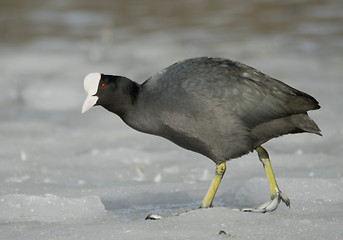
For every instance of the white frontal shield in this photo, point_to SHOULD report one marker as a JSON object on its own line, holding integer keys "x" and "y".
{"x": 91, "y": 83}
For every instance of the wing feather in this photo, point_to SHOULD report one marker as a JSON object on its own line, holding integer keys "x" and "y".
{"x": 253, "y": 96}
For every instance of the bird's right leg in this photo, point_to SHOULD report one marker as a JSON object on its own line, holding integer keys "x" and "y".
{"x": 275, "y": 193}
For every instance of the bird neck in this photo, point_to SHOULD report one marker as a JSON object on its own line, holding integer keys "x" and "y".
{"x": 125, "y": 103}
{"x": 142, "y": 116}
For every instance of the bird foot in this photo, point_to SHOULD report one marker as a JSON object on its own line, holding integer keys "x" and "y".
{"x": 270, "y": 205}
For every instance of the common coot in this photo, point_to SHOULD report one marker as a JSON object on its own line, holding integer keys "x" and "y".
{"x": 213, "y": 106}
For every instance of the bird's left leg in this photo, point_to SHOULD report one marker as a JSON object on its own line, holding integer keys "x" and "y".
{"x": 275, "y": 194}
{"x": 220, "y": 170}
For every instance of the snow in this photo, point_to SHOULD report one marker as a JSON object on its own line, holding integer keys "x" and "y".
{"x": 67, "y": 175}
{"x": 48, "y": 208}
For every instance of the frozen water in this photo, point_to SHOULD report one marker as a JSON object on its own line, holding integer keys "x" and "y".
{"x": 64, "y": 175}
{"x": 48, "y": 208}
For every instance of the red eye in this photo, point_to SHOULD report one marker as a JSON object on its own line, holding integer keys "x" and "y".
{"x": 103, "y": 85}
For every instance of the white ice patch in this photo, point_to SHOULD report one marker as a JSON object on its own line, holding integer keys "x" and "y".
{"x": 48, "y": 208}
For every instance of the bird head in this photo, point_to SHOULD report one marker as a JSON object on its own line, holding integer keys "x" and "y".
{"x": 115, "y": 93}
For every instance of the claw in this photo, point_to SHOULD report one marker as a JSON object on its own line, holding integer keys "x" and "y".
{"x": 270, "y": 205}
{"x": 285, "y": 199}
{"x": 273, "y": 205}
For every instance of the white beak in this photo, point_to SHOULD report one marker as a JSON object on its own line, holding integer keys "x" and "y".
{"x": 89, "y": 102}
{"x": 90, "y": 84}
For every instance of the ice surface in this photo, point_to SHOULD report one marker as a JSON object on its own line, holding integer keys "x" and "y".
{"x": 48, "y": 208}
{"x": 64, "y": 175}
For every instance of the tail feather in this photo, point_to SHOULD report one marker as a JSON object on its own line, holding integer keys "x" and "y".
{"x": 301, "y": 102}
{"x": 305, "y": 123}
{"x": 298, "y": 123}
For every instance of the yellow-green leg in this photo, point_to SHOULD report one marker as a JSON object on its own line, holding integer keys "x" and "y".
{"x": 275, "y": 194}
{"x": 220, "y": 170}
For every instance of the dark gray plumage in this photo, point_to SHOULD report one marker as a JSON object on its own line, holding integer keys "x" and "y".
{"x": 217, "y": 107}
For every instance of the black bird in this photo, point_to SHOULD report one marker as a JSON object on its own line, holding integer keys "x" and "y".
{"x": 216, "y": 107}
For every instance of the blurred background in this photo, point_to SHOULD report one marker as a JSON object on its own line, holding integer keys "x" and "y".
{"x": 48, "y": 46}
